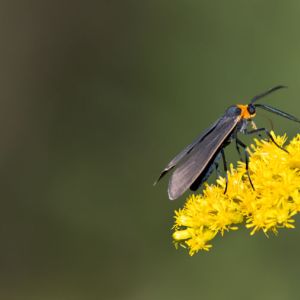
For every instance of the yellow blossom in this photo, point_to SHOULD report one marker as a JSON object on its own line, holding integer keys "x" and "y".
{"x": 272, "y": 205}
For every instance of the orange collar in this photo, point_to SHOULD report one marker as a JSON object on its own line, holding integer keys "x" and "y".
{"x": 244, "y": 111}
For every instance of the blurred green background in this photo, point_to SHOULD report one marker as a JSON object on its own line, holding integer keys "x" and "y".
{"x": 96, "y": 97}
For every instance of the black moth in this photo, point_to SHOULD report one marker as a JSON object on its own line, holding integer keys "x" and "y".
{"x": 194, "y": 164}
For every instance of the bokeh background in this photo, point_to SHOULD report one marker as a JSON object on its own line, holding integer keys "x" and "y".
{"x": 96, "y": 97}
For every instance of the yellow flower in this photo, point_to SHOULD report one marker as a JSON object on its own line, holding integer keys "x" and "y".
{"x": 276, "y": 199}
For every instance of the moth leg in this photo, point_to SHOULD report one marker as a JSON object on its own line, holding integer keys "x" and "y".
{"x": 268, "y": 134}
{"x": 217, "y": 169}
{"x": 246, "y": 160}
{"x": 255, "y": 128}
{"x": 237, "y": 145}
{"x": 225, "y": 169}
{"x": 238, "y": 149}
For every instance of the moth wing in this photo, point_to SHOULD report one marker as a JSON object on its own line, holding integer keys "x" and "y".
{"x": 186, "y": 151}
{"x": 195, "y": 161}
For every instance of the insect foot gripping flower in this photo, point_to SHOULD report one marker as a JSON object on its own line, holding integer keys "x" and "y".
{"x": 276, "y": 199}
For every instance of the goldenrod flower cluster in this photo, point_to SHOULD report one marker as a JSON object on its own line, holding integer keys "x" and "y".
{"x": 276, "y": 199}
